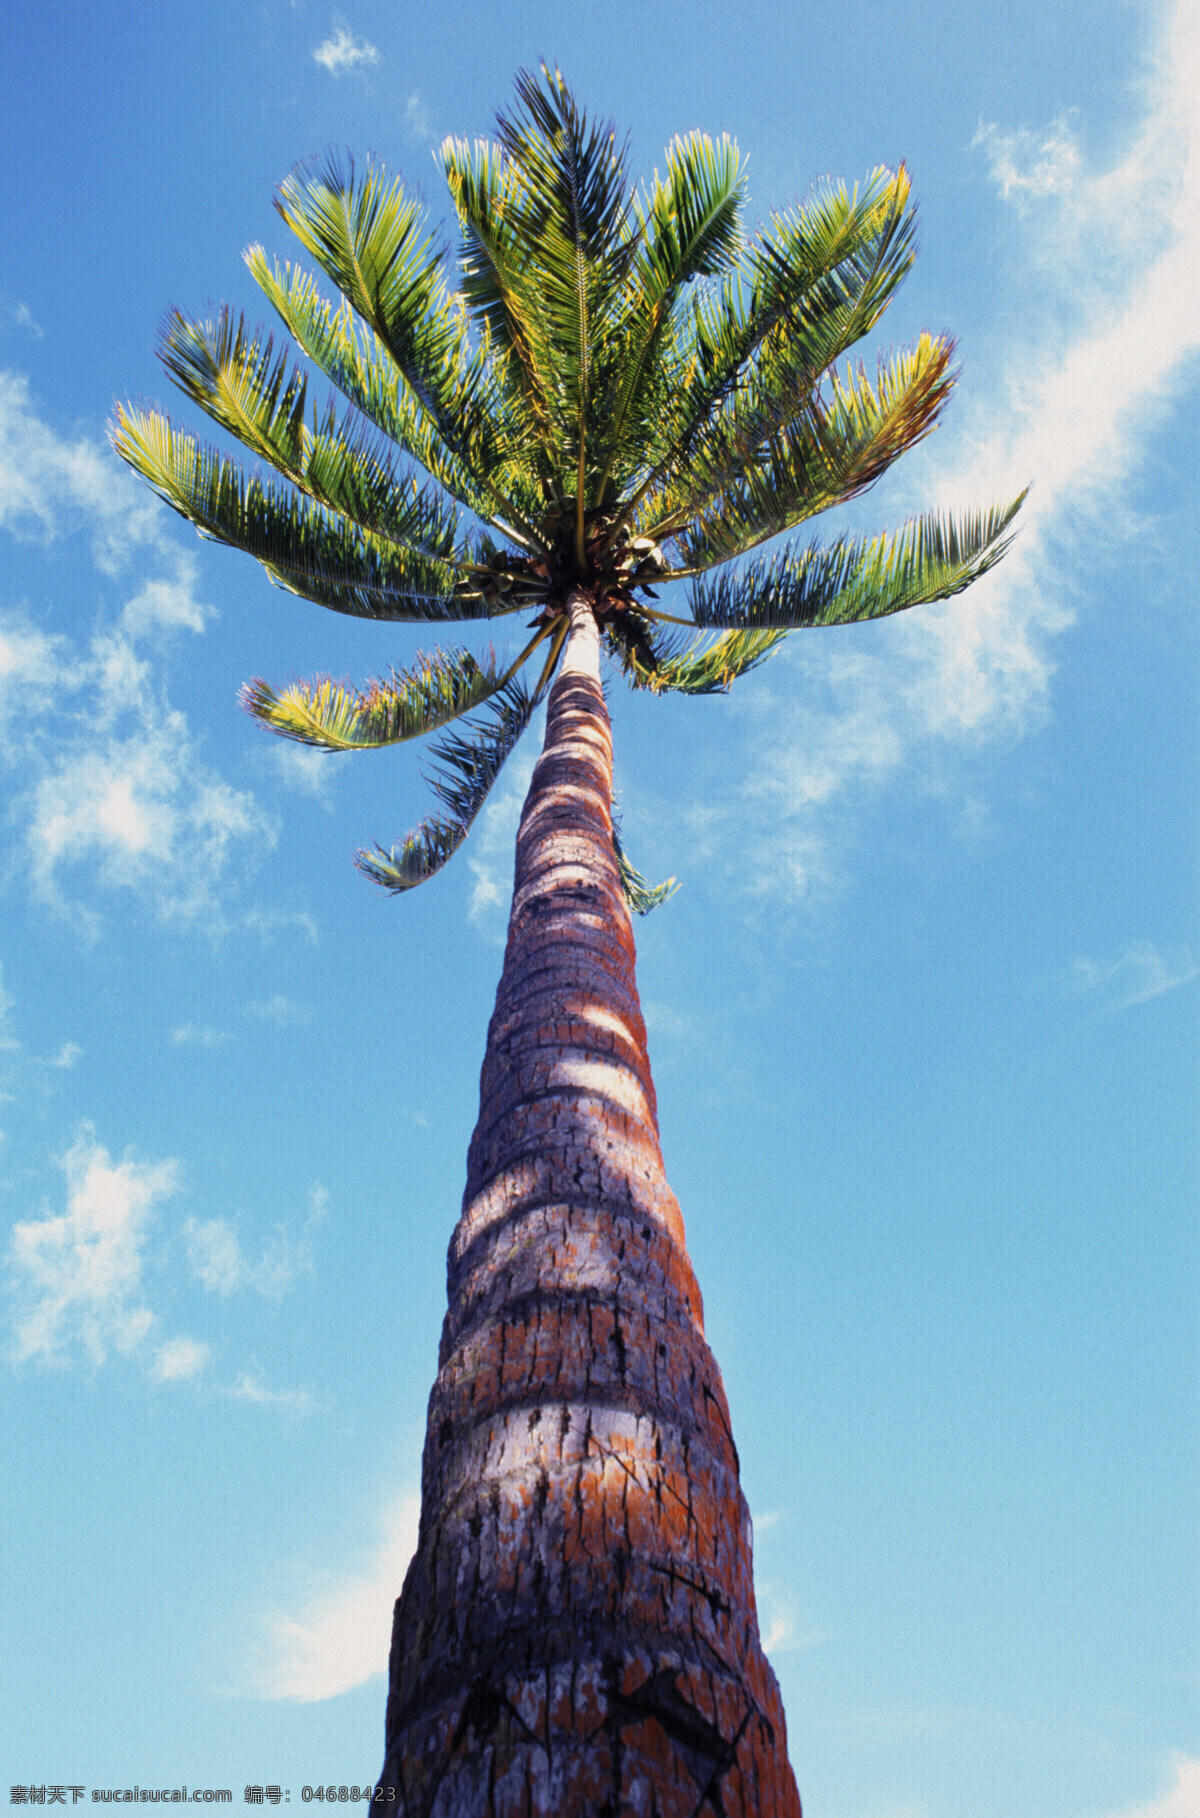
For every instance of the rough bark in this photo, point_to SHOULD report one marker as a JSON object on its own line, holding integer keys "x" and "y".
{"x": 577, "y": 1634}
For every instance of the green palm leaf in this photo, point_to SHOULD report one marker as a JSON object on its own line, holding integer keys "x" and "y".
{"x": 784, "y": 459}
{"x": 233, "y": 374}
{"x": 499, "y": 287}
{"x": 857, "y": 578}
{"x": 371, "y": 239}
{"x": 305, "y": 551}
{"x": 688, "y": 227}
{"x": 807, "y": 294}
{"x": 704, "y": 663}
{"x": 356, "y": 361}
{"x": 640, "y": 894}
{"x": 468, "y": 766}
{"x": 336, "y": 718}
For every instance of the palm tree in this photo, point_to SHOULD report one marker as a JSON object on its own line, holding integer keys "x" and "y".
{"x": 626, "y": 391}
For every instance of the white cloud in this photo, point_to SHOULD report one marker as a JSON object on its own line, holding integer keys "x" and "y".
{"x": 33, "y": 666}
{"x": 23, "y": 317}
{"x": 1025, "y": 164}
{"x": 779, "y": 1622}
{"x": 770, "y": 1518}
{"x": 163, "y": 605}
{"x": 138, "y": 813}
{"x": 416, "y": 122}
{"x": 280, "y": 1010}
{"x": 110, "y": 786}
{"x": 1119, "y": 249}
{"x": 1181, "y": 1800}
{"x": 665, "y": 1021}
{"x": 180, "y": 1359}
{"x": 77, "y": 1276}
{"x": 1141, "y": 973}
{"x": 267, "y": 922}
{"x": 66, "y": 1057}
{"x": 302, "y": 767}
{"x": 342, "y": 51}
{"x": 8, "y": 1040}
{"x": 250, "y": 1388}
{"x": 342, "y": 1638}
{"x": 218, "y": 1261}
{"x": 50, "y": 486}
{"x": 215, "y": 1255}
{"x": 189, "y": 1034}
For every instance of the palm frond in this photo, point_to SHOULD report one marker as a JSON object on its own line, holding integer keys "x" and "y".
{"x": 232, "y": 373}
{"x": 567, "y": 211}
{"x": 333, "y": 717}
{"x": 468, "y": 766}
{"x": 570, "y": 167}
{"x": 778, "y": 459}
{"x": 372, "y": 240}
{"x": 688, "y": 227}
{"x": 640, "y": 894}
{"x": 498, "y": 287}
{"x": 857, "y": 578}
{"x": 704, "y": 663}
{"x": 356, "y": 361}
{"x": 807, "y": 291}
{"x": 303, "y": 549}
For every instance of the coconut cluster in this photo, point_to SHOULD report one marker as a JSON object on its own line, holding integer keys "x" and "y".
{"x": 615, "y": 562}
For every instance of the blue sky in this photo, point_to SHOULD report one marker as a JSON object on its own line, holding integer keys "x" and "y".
{"x": 922, "y": 1015}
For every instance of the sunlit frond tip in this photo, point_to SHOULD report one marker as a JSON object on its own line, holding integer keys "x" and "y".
{"x": 334, "y": 717}
{"x": 468, "y": 764}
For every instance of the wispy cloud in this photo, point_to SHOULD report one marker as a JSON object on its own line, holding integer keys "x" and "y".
{"x": 1026, "y": 166}
{"x": 268, "y": 922}
{"x": 218, "y": 1261}
{"x": 282, "y": 1011}
{"x": 180, "y": 1359}
{"x": 8, "y": 1040}
{"x": 79, "y": 1279}
{"x": 198, "y": 1036}
{"x": 77, "y": 1275}
{"x": 1141, "y": 972}
{"x": 663, "y": 1020}
{"x": 251, "y": 1388}
{"x": 302, "y": 768}
{"x": 342, "y": 51}
{"x": 341, "y": 1638}
{"x": 50, "y": 485}
{"x": 779, "y": 1621}
{"x": 108, "y": 785}
{"x": 1118, "y": 252}
{"x": 137, "y": 812}
{"x": 417, "y": 129}
{"x": 23, "y": 317}
{"x": 167, "y": 605}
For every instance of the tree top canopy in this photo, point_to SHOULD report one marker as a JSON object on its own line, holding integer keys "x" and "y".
{"x": 626, "y": 389}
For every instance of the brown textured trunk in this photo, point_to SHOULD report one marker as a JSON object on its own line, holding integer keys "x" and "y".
{"x": 577, "y": 1635}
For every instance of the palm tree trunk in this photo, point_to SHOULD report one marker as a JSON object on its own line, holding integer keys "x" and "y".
{"x": 577, "y": 1635}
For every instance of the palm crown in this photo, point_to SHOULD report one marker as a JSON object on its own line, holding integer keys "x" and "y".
{"x": 626, "y": 390}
